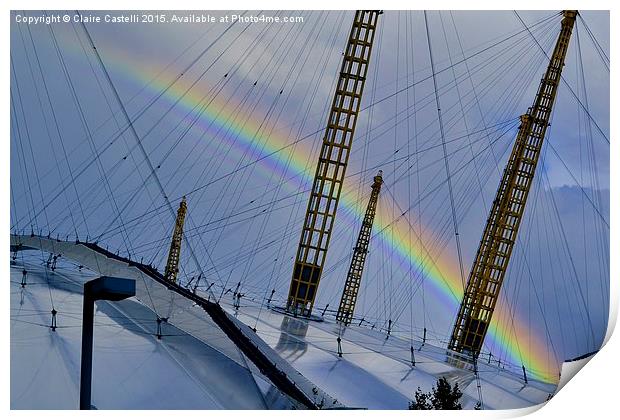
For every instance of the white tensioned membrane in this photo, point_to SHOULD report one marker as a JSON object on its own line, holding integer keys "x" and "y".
{"x": 374, "y": 371}
{"x": 194, "y": 365}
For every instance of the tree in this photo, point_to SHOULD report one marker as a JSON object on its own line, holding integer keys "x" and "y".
{"x": 421, "y": 401}
{"x": 444, "y": 397}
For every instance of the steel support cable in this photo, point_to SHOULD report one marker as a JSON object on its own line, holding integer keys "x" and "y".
{"x": 281, "y": 181}
{"x": 201, "y": 232}
{"x": 558, "y": 258}
{"x": 293, "y": 216}
{"x": 18, "y": 137}
{"x": 430, "y": 97}
{"x": 133, "y": 199}
{"x": 342, "y": 261}
{"x": 303, "y": 122}
{"x": 141, "y": 146}
{"x": 236, "y": 120}
{"x": 116, "y": 167}
{"x": 40, "y": 102}
{"x": 443, "y": 230}
{"x": 413, "y": 287}
{"x": 133, "y": 130}
{"x": 471, "y": 81}
{"x": 152, "y": 169}
{"x": 244, "y": 56}
{"x": 144, "y": 109}
{"x": 200, "y": 229}
{"x": 538, "y": 301}
{"x": 28, "y": 138}
{"x": 561, "y": 318}
{"x": 566, "y": 82}
{"x": 428, "y": 193}
{"x": 481, "y": 114}
{"x": 56, "y": 125}
{"x": 309, "y": 135}
{"x": 131, "y": 99}
{"x": 204, "y": 51}
{"x": 89, "y": 135}
{"x": 460, "y": 101}
{"x": 238, "y": 192}
{"x": 495, "y": 159}
{"x": 490, "y": 43}
{"x": 244, "y": 155}
{"x": 514, "y": 59}
{"x": 221, "y": 161}
{"x": 602, "y": 245}
{"x": 365, "y": 139}
{"x": 545, "y": 228}
{"x": 408, "y": 36}
{"x": 118, "y": 125}
{"x": 358, "y": 186}
{"x": 258, "y": 136}
{"x": 584, "y": 236}
{"x": 456, "y": 63}
{"x": 419, "y": 202}
{"x": 572, "y": 262}
{"x": 428, "y": 254}
{"x": 233, "y": 121}
{"x": 597, "y": 46}
{"x": 231, "y": 73}
{"x": 424, "y": 248}
{"x": 445, "y": 154}
{"x": 517, "y": 269}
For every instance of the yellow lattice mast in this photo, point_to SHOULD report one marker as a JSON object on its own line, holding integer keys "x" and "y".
{"x": 354, "y": 276}
{"x": 332, "y": 165}
{"x": 172, "y": 266}
{"x": 500, "y": 233}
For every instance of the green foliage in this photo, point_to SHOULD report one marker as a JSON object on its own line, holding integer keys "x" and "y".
{"x": 443, "y": 397}
{"x": 421, "y": 401}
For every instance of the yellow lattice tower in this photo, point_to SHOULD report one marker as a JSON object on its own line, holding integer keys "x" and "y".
{"x": 332, "y": 165}
{"x": 500, "y": 233}
{"x": 354, "y": 276}
{"x": 172, "y": 266}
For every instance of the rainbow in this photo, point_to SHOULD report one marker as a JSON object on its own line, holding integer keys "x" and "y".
{"x": 248, "y": 137}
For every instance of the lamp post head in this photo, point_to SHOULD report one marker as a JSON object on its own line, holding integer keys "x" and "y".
{"x": 110, "y": 288}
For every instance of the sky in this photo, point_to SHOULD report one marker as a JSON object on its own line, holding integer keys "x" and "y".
{"x": 231, "y": 116}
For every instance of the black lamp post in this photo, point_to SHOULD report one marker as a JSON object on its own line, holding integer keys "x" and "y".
{"x": 103, "y": 288}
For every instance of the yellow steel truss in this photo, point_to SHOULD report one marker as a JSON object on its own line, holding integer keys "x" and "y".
{"x": 498, "y": 238}
{"x": 172, "y": 266}
{"x": 332, "y": 165}
{"x": 354, "y": 276}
